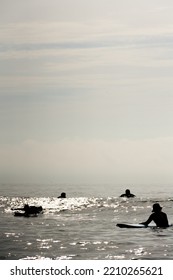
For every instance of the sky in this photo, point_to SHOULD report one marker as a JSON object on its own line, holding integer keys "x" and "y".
{"x": 86, "y": 91}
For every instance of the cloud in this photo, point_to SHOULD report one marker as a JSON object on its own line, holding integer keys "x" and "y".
{"x": 86, "y": 70}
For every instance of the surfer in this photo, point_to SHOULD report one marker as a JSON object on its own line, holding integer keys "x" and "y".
{"x": 30, "y": 210}
{"x": 159, "y": 217}
{"x": 127, "y": 194}
{"x": 63, "y": 195}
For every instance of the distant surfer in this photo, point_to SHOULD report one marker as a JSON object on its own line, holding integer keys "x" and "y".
{"x": 30, "y": 210}
{"x": 63, "y": 195}
{"x": 127, "y": 194}
{"x": 158, "y": 217}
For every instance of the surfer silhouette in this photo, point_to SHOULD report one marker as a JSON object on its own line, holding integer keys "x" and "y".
{"x": 63, "y": 195}
{"x": 158, "y": 217}
{"x": 127, "y": 194}
{"x": 29, "y": 210}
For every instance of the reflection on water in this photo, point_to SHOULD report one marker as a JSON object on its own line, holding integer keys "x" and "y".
{"x": 83, "y": 228}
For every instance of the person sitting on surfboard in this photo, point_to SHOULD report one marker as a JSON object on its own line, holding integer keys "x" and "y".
{"x": 159, "y": 217}
{"x": 63, "y": 195}
{"x": 127, "y": 194}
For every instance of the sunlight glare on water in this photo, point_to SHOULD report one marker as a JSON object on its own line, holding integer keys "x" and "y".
{"x": 83, "y": 227}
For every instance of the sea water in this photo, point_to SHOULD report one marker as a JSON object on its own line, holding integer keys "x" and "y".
{"x": 83, "y": 225}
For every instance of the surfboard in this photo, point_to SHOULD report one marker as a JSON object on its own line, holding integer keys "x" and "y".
{"x": 20, "y": 214}
{"x": 128, "y": 225}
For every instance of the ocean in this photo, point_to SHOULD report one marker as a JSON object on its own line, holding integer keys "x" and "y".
{"x": 83, "y": 225}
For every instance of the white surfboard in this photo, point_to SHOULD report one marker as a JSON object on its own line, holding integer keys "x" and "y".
{"x": 128, "y": 225}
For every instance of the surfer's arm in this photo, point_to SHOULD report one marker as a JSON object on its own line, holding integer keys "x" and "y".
{"x": 148, "y": 221}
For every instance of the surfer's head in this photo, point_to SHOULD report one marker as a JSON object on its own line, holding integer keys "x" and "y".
{"x": 63, "y": 195}
{"x": 127, "y": 192}
{"x": 156, "y": 207}
{"x": 26, "y": 207}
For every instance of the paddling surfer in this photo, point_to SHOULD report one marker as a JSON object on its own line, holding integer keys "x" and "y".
{"x": 63, "y": 195}
{"x": 158, "y": 217}
{"x": 30, "y": 209}
{"x": 127, "y": 194}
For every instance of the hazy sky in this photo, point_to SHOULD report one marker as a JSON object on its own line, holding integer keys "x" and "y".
{"x": 86, "y": 91}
